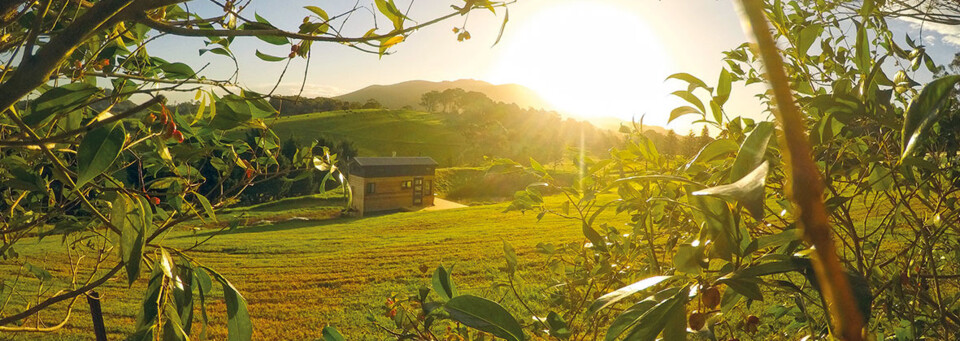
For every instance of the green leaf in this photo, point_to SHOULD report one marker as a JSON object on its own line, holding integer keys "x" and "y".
{"x": 58, "y": 101}
{"x": 862, "y": 49}
{"x": 330, "y": 333}
{"x": 690, "y": 98}
{"x": 239, "y": 327}
{"x": 268, "y": 57}
{"x": 660, "y": 316}
{"x": 723, "y": 87}
{"x": 126, "y": 217}
{"x": 924, "y": 110}
{"x": 729, "y": 300}
{"x": 765, "y": 269}
{"x": 713, "y": 151}
{"x": 693, "y": 82}
{"x": 319, "y": 12}
{"x": 745, "y": 287}
{"x": 506, "y": 17}
{"x": 688, "y": 258}
{"x": 752, "y": 151}
{"x": 619, "y": 294}
{"x": 485, "y": 315}
{"x": 511, "y": 256}
{"x": 748, "y": 191}
{"x": 443, "y": 284}
{"x": 808, "y": 34}
{"x": 627, "y": 319}
{"x": 177, "y": 70}
{"x": 206, "y": 206}
{"x": 558, "y": 327}
{"x": 681, "y": 111}
{"x": 99, "y": 148}
{"x": 38, "y": 272}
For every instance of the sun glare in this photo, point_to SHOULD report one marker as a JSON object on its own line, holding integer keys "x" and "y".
{"x": 589, "y": 60}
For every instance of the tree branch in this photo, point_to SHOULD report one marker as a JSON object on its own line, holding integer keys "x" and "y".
{"x": 70, "y": 294}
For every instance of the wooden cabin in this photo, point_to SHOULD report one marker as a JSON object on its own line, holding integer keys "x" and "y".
{"x": 391, "y": 183}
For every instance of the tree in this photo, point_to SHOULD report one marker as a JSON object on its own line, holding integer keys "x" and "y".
{"x": 767, "y": 233}
{"x": 92, "y": 154}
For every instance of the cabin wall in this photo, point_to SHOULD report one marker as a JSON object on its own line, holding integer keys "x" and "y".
{"x": 390, "y": 194}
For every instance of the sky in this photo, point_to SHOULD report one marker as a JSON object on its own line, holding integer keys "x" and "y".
{"x": 590, "y": 58}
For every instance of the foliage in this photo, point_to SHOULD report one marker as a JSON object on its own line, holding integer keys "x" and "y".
{"x": 712, "y": 249}
{"x": 111, "y": 180}
{"x": 505, "y": 130}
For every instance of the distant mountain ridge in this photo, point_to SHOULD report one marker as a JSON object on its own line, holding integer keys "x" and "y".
{"x": 408, "y": 93}
{"x": 399, "y": 95}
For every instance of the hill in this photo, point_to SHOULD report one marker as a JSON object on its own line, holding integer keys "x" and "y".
{"x": 377, "y": 132}
{"x": 408, "y": 93}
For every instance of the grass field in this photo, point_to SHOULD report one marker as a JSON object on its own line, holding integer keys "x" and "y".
{"x": 379, "y": 132}
{"x": 300, "y": 275}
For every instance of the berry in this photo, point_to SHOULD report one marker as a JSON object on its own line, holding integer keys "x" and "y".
{"x": 697, "y": 320}
{"x": 249, "y": 173}
{"x": 292, "y": 54}
{"x": 710, "y": 297}
{"x": 751, "y": 324}
{"x": 156, "y": 201}
{"x": 392, "y": 313}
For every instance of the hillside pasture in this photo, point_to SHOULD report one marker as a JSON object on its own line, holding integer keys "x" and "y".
{"x": 301, "y": 270}
{"x": 379, "y": 132}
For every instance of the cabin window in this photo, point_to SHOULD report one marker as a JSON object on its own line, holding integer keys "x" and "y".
{"x": 426, "y": 187}
{"x": 406, "y": 184}
{"x": 371, "y": 188}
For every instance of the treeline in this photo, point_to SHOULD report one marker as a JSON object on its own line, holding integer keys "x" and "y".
{"x": 295, "y": 105}
{"x": 506, "y": 130}
{"x": 675, "y": 144}
{"x": 303, "y": 182}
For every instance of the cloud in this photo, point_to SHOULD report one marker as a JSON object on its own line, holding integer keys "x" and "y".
{"x": 948, "y": 34}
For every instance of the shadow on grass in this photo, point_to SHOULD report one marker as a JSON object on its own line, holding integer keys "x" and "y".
{"x": 291, "y": 204}
{"x": 273, "y": 227}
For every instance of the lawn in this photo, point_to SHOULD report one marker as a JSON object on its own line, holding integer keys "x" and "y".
{"x": 300, "y": 275}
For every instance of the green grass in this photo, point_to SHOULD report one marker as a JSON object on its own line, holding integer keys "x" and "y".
{"x": 379, "y": 132}
{"x": 299, "y": 275}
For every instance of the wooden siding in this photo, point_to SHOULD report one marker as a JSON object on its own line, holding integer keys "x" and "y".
{"x": 389, "y": 194}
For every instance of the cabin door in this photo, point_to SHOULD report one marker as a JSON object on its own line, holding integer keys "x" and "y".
{"x": 417, "y": 191}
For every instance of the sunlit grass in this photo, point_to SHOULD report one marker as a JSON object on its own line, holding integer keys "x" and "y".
{"x": 299, "y": 275}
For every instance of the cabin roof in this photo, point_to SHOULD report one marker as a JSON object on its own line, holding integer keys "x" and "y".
{"x": 376, "y": 167}
{"x": 395, "y": 161}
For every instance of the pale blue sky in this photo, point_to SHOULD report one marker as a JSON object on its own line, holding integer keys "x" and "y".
{"x": 687, "y": 36}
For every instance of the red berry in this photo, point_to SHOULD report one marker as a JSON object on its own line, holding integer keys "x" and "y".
{"x": 697, "y": 320}
{"x": 392, "y": 313}
{"x": 156, "y": 201}
{"x": 249, "y": 173}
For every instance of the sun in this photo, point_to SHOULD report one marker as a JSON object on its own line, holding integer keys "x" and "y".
{"x": 590, "y": 60}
